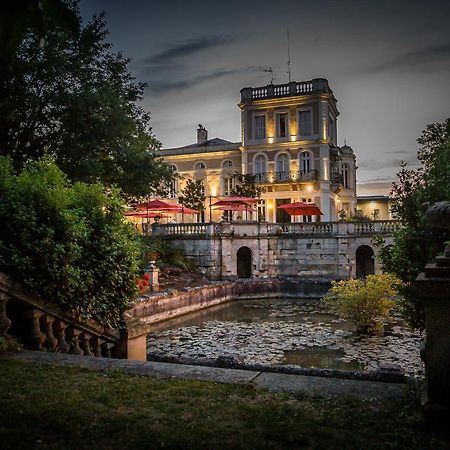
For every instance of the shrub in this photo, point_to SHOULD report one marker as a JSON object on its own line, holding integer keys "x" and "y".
{"x": 67, "y": 242}
{"x": 364, "y": 302}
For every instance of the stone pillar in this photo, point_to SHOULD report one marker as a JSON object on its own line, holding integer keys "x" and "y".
{"x": 433, "y": 291}
{"x": 153, "y": 271}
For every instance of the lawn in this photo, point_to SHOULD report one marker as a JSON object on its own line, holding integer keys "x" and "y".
{"x": 45, "y": 406}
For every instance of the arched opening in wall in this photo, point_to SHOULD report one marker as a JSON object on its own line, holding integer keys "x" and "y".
{"x": 365, "y": 264}
{"x": 244, "y": 262}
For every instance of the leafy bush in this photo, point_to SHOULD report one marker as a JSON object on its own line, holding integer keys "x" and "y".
{"x": 67, "y": 242}
{"x": 364, "y": 302}
{"x": 168, "y": 254}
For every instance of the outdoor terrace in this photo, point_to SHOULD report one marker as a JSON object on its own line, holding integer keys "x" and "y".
{"x": 250, "y": 228}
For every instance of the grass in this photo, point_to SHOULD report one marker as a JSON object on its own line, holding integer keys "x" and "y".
{"x": 53, "y": 407}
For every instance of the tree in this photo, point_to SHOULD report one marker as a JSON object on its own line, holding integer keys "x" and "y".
{"x": 416, "y": 243}
{"x": 74, "y": 99}
{"x": 245, "y": 185}
{"x": 193, "y": 195}
{"x": 67, "y": 242}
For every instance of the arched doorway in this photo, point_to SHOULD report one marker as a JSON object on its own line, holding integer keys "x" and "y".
{"x": 365, "y": 264}
{"x": 244, "y": 262}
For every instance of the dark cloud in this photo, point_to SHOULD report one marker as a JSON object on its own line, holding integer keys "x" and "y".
{"x": 165, "y": 85}
{"x": 187, "y": 48}
{"x": 431, "y": 56}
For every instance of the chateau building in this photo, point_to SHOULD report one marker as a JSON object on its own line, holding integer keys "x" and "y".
{"x": 289, "y": 142}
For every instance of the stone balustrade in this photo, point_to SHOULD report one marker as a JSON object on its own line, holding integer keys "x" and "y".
{"x": 317, "y": 85}
{"x": 252, "y": 228}
{"x": 40, "y": 325}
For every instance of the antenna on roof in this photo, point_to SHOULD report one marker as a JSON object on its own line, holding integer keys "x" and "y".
{"x": 289, "y": 56}
{"x": 272, "y": 75}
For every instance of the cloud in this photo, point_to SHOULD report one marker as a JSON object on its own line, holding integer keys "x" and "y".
{"x": 430, "y": 56}
{"x": 187, "y": 48}
{"x": 162, "y": 86}
{"x": 372, "y": 164}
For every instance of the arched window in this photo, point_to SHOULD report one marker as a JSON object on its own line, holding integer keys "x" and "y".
{"x": 282, "y": 164}
{"x": 306, "y": 162}
{"x": 260, "y": 167}
{"x": 227, "y": 164}
{"x": 200, "y": 166}
{"x": 173, "y": 188}
{"x": 345, "y": 176}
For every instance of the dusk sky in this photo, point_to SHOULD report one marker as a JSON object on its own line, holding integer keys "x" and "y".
{"x": 388, "y": 63}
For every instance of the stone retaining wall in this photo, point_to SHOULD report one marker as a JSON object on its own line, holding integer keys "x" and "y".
{"x": 155, "y": 308}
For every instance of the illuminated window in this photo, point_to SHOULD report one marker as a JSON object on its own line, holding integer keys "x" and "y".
{"x": 262, "y": 210}
{"x": 282, "y": 125}
{"x": 305, "y": 162}
{"x": 260, "y": 127}
{"x": 260, "y": 167}
{"x": 345, "y": 176}
{"x": 304, "y": 120}
{"x": 282, "y": 166}
{"x": 228, "y": 185}
{"x": 376, "y": 214}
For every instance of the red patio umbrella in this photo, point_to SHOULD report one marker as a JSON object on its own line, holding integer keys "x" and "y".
{"x": 236, "y": 201}
{"x": 150, "y": 215}
{"x": 301, "y": 209}
{"x": 155, "y": 205}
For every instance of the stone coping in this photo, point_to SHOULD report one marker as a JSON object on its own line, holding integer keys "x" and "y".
{"x": 277, "y": 382}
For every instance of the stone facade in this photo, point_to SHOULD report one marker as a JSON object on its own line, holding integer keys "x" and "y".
{"x": 289, "y": 142}
{"x": 325, "y": 251}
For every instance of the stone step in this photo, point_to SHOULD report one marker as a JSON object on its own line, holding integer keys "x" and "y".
{"x": 442, "y": 261}
{"x": 435, "y": 271}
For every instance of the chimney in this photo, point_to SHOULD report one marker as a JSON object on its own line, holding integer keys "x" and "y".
{"x": 202, "y": 134}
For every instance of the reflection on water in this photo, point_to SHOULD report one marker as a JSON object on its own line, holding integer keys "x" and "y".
{"x": 253, "y": 311}
{"x": 320, "y": 358}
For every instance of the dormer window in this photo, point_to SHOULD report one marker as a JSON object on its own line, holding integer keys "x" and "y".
{"x": 260, "y": 127}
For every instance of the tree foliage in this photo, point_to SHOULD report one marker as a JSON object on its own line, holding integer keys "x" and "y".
{"x": 192, "y": 195}
{"x": 416, "y": 243}
{"x": 365, "y": 303}
{"x": 245, "y": 185}
{"x": 67, "y": 242}
{"x": 73, "y": 98}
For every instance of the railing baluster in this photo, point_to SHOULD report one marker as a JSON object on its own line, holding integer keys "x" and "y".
{"x": 60, "y": 332}
{"x": 75, "y": 349}
{"x": 36, "y": 336}
{"x": 51, "y": 341}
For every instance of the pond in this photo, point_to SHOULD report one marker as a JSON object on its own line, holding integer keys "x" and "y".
{"x": 287, "y": 332}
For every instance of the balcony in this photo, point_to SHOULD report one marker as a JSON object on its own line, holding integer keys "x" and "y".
{"x": 286, "y": 177}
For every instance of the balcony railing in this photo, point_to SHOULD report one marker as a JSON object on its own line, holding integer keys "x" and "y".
{"x": 251, "y": 228}
{"x": 286, "y": 177}
{"x": 317, "y": 85}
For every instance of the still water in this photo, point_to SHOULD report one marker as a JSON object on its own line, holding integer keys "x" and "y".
{"x": 290, "y": 332}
